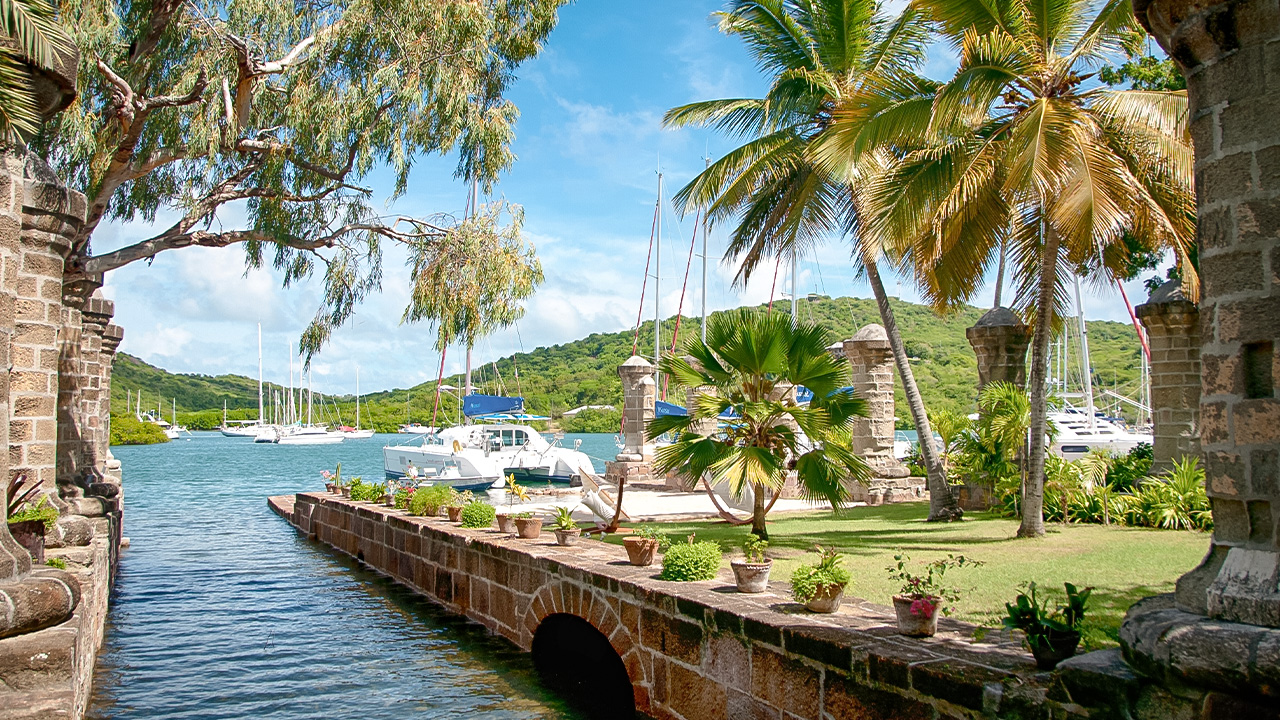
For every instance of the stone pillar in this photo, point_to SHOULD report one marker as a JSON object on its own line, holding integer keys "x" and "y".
{"x": 639, "y": 391}
{"x": 15, "y": 561}
{"x": 1173, "y": 329}
{"x": 1000, "y": 341}
{"x": 112, "y": 336}
{"x": 75, "y": 461}
{"x": 872, "y": 359}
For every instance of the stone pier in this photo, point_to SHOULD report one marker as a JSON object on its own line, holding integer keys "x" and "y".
{"x": 870, "y": 355}
{"x": 1173, "y": 329}
{"x": 639, "y": 391}
{"x": 1000, "y": 341}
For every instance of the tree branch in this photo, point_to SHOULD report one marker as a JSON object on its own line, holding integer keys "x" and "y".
{"x": 189, "y": 98}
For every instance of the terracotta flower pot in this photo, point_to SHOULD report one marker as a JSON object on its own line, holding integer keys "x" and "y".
{"x": 331, "y": 488}
{"x": 455, "y": 513}
{"x": 826, "y": 599}
{"x": 346, "y": 491}
{"x": 529, "y": 528}
{"x": 568, "y": 537}
{"x": 640, "y": 551}
{"x": 30, "y": 535}
{"x": 917, "y": 618}
{"x": 1054, "y": 648}
{"x": 506, "y": 524}
{"x": 751, "y": 577}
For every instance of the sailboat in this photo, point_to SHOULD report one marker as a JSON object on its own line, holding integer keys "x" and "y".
{"x": 355, "y": 433}
{"x": 309, "y": 434}
{"x": 246, "y": 428}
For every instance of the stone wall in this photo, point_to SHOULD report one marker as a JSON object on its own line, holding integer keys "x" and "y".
{"x": 1173, "y": 326}
{"x": 698, "y": 651}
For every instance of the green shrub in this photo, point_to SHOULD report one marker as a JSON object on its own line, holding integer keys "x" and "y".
{"x": 806, "y": 578}
{"x": 56, "y": 563}
{"x": 41, "y": 510}
{"x": 370, "y": 492}
{"x": 478, "y": 514}
{"x": 129, "y": 430}
{"x": 691, "y": 561}
{"x": 1127, "y": 471}
{"x": 400, "y": 498}
{"x": 595, "y": 420}
{"x": 427, "y": 501}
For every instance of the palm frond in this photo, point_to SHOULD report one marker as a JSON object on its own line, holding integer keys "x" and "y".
{"x": 33, "y": 25}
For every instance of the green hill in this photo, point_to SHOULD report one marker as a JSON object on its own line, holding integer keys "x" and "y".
{"x": 584, "y": 372}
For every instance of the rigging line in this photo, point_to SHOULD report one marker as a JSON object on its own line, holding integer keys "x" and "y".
{"x": 635, "y": 341}
{"x": 439, "y": 379}
{"x": 773, "y": 288}
{"x": 516, "y": 366}
{"x": 675, "y": 336}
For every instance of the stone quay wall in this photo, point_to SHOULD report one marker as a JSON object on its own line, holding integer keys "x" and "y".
{"x": 700, "y": 651}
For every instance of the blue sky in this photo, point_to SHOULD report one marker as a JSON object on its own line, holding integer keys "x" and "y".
{"x": 589, "y": 142}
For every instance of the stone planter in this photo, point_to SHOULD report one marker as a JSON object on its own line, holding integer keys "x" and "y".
{"x": 455, "y": 513}
{"x": 568, "y": 537}
{"x": 506, "y": 524}
{"x": 751, "y": 577}
{"x": 1054, "y": 648}
{"x": 30, "y": 535}
{"x": 826, "y": 599}
{"x": 917, "y": 618}
{"x": 529, "y": 528}
{"x": 640, "y": 551}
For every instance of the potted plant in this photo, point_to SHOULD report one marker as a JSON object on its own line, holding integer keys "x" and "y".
{"x": 1051, "y": 636}
{"x": 457, "y": 500}
{"x": 752, "y": 572}
{"x": 691, "y": 561}
{"x": 821, "y": 587}
{"x": 30, "y": 515}
{"x": 507, "y": 520}
{"x": 332, "y": 479}
{"x": 566, "y": 528}
{"x": 924, "y": 596}
{"x": 642, "y": 547}
{"x": 477, "y": 514}
{"x": 528, "y": 526}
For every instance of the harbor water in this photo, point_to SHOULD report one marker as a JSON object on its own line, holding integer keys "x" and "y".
{"x": 221, "y": 610}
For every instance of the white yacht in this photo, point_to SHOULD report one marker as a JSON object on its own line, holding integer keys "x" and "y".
{"x": 241, "y": 428}
{"x": 308, "y": 435}
{"x": 1077, "y": 434}
{"x": 476, "y": 457}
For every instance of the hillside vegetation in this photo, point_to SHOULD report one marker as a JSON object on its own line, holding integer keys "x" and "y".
{"x": 584, "y": 372}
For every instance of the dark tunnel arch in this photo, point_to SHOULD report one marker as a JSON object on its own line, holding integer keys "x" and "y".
{"x": 576, "y": 660}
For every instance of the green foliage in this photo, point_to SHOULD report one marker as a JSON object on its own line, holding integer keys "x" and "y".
{"x": 564, "y": 518}
{"x": 478, "y": 514}
{"x": 753, "y": 548}
{"x": 1128, "y": 470}
{"x": 929, "y": 585}
{"x": 427, "y": 501}
{"x": 649, "y": 532}
{"x": 368, "y": 492}
{"x": 829, "y": 570}
{"x": 1145, "y": 72}
{"x": 691, "y": 561}
{"x": 525, "y": 515}
{"x": 33, "y": 36}
{"x": 400, "y": 498}
{"x": 128, "y": 430}
{"x": 56, "y": 563}
{"x": 39, "y": 510}
{"x": 1032, "y": 615}
{"x": 593, "y": 421}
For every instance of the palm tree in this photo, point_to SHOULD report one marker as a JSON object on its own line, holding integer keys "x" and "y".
{"x": 1018, "y": 148}
{"x": 749, "y": 365}
{"x": 36, "y": 36}
{"x": 821, "y": 54}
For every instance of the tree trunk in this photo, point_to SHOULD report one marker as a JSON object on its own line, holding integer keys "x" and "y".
{"x": 1004, "y": 252}
{"x": 758, "y": 511}
{"x": 1033, "y": 501}
{"x": 942, "y": 504}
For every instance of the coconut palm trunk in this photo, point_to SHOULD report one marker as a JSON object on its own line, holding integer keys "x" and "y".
{"x": 1033, "y": 495}
{"x": 942, "y": 504}
{"x": 759, "y": 508}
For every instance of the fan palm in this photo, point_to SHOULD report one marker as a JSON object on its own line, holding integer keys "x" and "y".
{"x": 1020, "y": 148}
{"x": 34, "y": 37}
{"x": 820, "y": 54}
{"x": 746, "y": 369}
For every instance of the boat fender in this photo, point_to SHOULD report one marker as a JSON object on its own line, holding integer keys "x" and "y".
{"x": 457, "y": 446}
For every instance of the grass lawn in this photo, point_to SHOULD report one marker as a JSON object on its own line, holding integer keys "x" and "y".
{"x": 1122, "y": 564}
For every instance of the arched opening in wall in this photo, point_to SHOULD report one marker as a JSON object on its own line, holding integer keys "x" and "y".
{"x": 577, "y": 661}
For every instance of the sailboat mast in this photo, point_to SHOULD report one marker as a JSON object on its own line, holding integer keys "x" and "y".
{"x": 795, "y": 274}
{"x": 704, "y": 269}
{"x": 259, "y": 374}
{"x": 310, "y": 397}
{"x": 357, "y": 398}
{"x": 288, "y": 410}
{"x": 1085, "y": 366}
{"x": 657, "y": 294}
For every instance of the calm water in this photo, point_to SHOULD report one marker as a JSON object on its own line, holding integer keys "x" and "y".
{"x": 222, "y": 611}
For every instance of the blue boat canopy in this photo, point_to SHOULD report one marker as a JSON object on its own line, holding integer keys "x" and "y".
{"x": 475, "y": 405}
{"x": 663, "y": 409}
{"x": 803, "y": 394}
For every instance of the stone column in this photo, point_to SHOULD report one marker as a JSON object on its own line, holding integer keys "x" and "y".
{"x": 1000, "y": 341}
{"x": 872, "y": 359}
{"x": 75, "y": 462}
{"x": 1227, "y": 50}
{"x": 112, "y": 336}
{"x": 1173, "y": 328}
{"x": 15, "y": 561}
{"x": 639, "y": 391}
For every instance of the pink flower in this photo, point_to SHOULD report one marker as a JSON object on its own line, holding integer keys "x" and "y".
{"x": 326, "y": 474}
{"x": 923, "y": 607}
